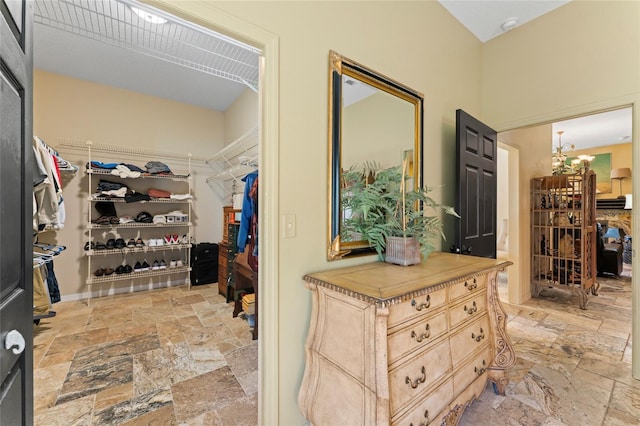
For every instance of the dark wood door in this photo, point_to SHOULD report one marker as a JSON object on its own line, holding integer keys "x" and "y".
{"x": 476, "y": 183}
{"x": 16, "y": 194}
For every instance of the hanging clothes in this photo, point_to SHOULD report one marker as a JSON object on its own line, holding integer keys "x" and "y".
{"x": 252, "y": 255}
{"x": 247, "y": 211}
{"x": 49, "y": 211}
{"x": 41, "y": 301}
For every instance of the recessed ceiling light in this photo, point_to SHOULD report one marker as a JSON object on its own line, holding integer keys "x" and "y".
{"x": 149, "y": 17}
{"x": 509, "y": 23}
{"x": 622, "y": 138}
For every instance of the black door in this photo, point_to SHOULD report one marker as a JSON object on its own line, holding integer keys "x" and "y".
{"x": 16, "y": 193}
{"x": 476, "y": 150}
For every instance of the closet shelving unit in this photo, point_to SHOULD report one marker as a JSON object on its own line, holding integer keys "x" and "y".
{"x": 144, "y": 231}
{"x": 234, "y": 162}
{"x": 563, "y": 234}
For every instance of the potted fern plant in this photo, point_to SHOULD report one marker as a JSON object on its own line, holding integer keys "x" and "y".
{"x": 401, "y": 224}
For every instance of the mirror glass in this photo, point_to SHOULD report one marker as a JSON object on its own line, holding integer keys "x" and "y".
{"x": 372, "y": 120}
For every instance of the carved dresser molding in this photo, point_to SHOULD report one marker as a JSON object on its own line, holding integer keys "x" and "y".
{"x": 402, "y": 345}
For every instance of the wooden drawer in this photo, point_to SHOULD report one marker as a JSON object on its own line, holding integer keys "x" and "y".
{"x": 464, "y": 288}
{"x": 474, "y": 369}
{"x": 468, "y": 309}
{"x": 417, "y": 335}
{"x": 428, "y": 410}
{"x": 470, "y": 339}
{"x": 415, "y": 377}
{"x": 422, "y": 305}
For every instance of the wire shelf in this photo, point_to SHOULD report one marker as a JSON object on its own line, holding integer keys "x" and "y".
{"x": 176, "y": 41}
{"x": 137, "y": 225}
{"x": 136, "y": 275}
{"x": 106, "y": 172}
{"x": 144, "y": 249}
{"x": 153, "y": 200}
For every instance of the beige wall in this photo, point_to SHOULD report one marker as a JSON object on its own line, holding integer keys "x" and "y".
{"x": 555, "y": 67}
{"x": 419, "y": 55}
{"x": 241, "y": 117}
{"x": 579, "y": 58}
{"x": 523, "y": 77}
{"x": 79, "y": 110}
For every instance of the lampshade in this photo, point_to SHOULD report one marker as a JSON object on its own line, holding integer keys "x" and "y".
{"x": 628, "y": 204}
{"x": 612, "y": 232}
{"x": 621, "y": 173}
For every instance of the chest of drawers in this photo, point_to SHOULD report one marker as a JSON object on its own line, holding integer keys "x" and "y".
{"x": 394, "y": 345}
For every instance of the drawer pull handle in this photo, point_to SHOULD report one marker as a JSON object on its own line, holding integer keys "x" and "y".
{"x": 418, "y": 381}
{"x": 421, "y": 337}
{"x": 425, "y": 423}
{"x": 422, "y": 306}
{"x": 479, "y": 337}
{"x": 472, "y": 310}
{"x": 471, "y": 287}
{"x": 480, "y": 371}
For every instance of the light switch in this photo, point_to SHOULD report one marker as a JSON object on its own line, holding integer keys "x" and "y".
{"x": 289, "y": 225}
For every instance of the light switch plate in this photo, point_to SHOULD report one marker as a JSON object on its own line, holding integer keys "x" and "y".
{"x": 289, "y": 225}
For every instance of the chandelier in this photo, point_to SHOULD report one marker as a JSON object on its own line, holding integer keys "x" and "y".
{"x": 559, "y": 157}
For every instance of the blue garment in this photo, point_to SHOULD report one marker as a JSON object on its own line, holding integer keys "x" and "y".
{"x": 101, "y": 165}
{"x": 247, "y": 211}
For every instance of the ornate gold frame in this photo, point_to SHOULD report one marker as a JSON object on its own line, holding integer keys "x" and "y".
{"x": 339, "y": 66}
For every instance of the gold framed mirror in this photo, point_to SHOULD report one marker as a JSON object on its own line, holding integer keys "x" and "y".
{"x": 372, "y": 120}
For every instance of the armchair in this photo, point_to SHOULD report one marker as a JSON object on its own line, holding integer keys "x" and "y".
{"x": 608, "y": 255}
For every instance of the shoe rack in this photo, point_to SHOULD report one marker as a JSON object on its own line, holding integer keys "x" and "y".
{"x": 149, "y": 252}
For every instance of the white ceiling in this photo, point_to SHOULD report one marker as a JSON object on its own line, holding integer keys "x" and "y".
{"x": 484, "y": 18}
{"x": 84, "y": 58}
{"x": 106, "y": 42}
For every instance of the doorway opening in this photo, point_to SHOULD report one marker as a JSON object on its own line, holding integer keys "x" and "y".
{"x": 528, "y": 143}
{"x": 265, "y": 107}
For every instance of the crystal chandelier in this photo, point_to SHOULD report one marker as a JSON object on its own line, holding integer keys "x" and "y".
{"x": 559, "y": 157}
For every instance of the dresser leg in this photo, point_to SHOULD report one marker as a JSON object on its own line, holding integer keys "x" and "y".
{"x": 499, "y": 381}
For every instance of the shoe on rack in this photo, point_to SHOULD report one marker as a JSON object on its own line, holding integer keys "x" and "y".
{"x": 131, "y": 243}
{"x": 163, "y": 264}
{"x": 145, "y": 266}
{"x": 179, "y": 263}
{"x": 137, "y": 267}
{"x": 120, "y": 270}
{"x": 155, "y": 266}
{"x": 99, "y": 272}
{"x": 127, "y": 269}
{"x": 139, "y": 242}
{"x": 172, "y": 264}
{"x": 100, "y": 246}
{"x": 159, "y": 242}
{"x": 120, "y": 244}
{"x": 184, "y": 239}
{"x": 175, "y": 238}
{"x": 89, "y": 245}
{"x": 168, "y": 239}
{"x": 110, "y": 244}
{"x": 108, "y": 271}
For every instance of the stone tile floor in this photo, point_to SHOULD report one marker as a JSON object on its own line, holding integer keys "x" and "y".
{"x": 173, "y": 356}
{"x": 573, "y": 366}
{"x": 167, "y": 356}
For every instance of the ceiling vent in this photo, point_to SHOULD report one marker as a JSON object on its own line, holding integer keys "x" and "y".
{"x": 165, "y": 37}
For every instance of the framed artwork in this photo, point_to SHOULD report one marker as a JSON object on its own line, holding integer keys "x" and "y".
{"x": 601, "y": 165}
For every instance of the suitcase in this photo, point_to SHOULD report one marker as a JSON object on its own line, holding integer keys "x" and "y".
{"x": 204, "y": 263}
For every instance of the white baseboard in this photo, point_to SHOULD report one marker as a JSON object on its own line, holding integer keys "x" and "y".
{"x": 112, "y": 291}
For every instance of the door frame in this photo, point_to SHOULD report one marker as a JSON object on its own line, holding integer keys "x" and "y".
{"x": 207, "y": 15}
{"x": 609, "y": 104}
{"x": 515, "y": 252}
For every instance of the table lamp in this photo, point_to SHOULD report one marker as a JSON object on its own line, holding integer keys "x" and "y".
{"x": 620, "y": 174}
{"x": 612, "y": 233}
